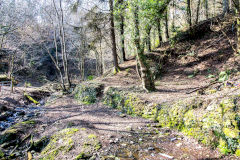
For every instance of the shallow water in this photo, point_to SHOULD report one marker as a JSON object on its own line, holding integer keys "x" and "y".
{"x": 21, "y": 114}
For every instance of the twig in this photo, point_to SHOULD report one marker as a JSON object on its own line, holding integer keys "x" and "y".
{"x": 204, "y": 87}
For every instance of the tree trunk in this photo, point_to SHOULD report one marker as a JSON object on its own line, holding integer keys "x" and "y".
{"x": 11, "y": 66}
{"x": 147, "y": 80}
{"x": 113, "y": 38}
{"x": 122, "y": 37}
{"x": 198, "y": 8}
{"x": 237, "y": 3}
{"x": 159, "y": 31}
{"x": 225, "y": 6}
{"x": 64, "y": 47}
{"x": 148, "y": 38}
{"x": 166, "y": 25}
{"x": 206, "y": 8}
{"x": 174, "y": 14}
{"x": 189, "y": 14}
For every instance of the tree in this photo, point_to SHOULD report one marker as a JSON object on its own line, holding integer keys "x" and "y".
{"x": 198, "y": 8}
{"x": 113, "y": 38}
{"x": 148, "y": 37}
{"x": 121, "y": 11}
{"x": 237, "y": 8}
{"x": 147, "y": 79}
{"x": 166, "y": 25}
{"x": 145, "y": 12}
{"x": 206, "y": 8}
{"x": 60, "y": 19}
{"x": 159, "y": 30}
{"x": 189, "y": 13}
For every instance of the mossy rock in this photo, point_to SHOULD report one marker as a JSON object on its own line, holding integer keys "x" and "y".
{"x": 16, "y": 131}
{"x": 4, "y": 77}
{"x": 88, "y": 93}
{"x": 40, "y": 144}
{"x": 68, "y": 142}
{"x": 126, "y": 102}
{"x": 59, "y": 143}
{"x": 83, "y": 155}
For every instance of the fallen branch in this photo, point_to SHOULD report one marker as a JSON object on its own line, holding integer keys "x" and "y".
{"x": 31, "y": 99}
{"x": 203, "y": 87}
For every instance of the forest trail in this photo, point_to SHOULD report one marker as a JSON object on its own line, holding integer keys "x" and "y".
{"x": 190, "y": 66}
{"x": 122, "y": 136}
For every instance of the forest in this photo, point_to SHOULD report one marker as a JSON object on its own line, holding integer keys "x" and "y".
{"x": 119, "y": 79}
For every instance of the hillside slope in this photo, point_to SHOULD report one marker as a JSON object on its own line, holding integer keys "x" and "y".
{"x": 197, "y": 92}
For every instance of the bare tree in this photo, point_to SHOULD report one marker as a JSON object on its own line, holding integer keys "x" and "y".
{"x": 60, "y": 19}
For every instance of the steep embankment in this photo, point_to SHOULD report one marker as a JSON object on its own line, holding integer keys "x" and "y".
{"x": 197, "y": 93}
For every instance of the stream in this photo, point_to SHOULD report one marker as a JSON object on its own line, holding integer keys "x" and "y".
{"x": 19, "y": 114}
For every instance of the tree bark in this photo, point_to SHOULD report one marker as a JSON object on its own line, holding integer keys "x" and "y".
{"x": 206, "y": 8}
{"x": 189, "y": 14}
{"x": 198, "y": 8}
{"x": 122, "y": 37}
{"x": 64, "y": 47}
{"x": 147, "y": 80}
{"x": 148, "y": 38}
{"x": 237, "y": 6}
{"x": 63, "y": 43}
{"x": 166, "y": 25}
{"x": 174, "y": 14}
{"x": 113, "y": 38}
{"x": 225, "y": 6}
{"x": 159, "y": 30}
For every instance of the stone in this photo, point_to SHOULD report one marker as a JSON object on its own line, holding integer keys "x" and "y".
{"x": 151, "y": 148}
{"x": 179, "y": 144}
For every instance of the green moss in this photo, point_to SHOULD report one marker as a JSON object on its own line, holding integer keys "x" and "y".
{"x": 231, "y": 133}
{"x": 80, "y": 156}
{"x": 237, "y": 152}
{"x": 212, "y": 91}
{"x": 2, "y": 154}
{"x": 87, "y": 93}
{"x": 15, "y": 131}
{"x": 223, "y": 148}
{"x": 92, "y": 136}
{"x": 215, "y": 123}
{"x": 31, "y": 98}
{"x": 59, "y": 142}
{"x": 40, "y": 144}
{"x": 26, "y": 122}
{"x": 127, "y": 103}
{"x": 83, "y": 155}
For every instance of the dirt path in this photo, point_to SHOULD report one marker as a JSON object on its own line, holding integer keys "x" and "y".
{"x": 121, "y": 135}
{"x": 101, "y": 120}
